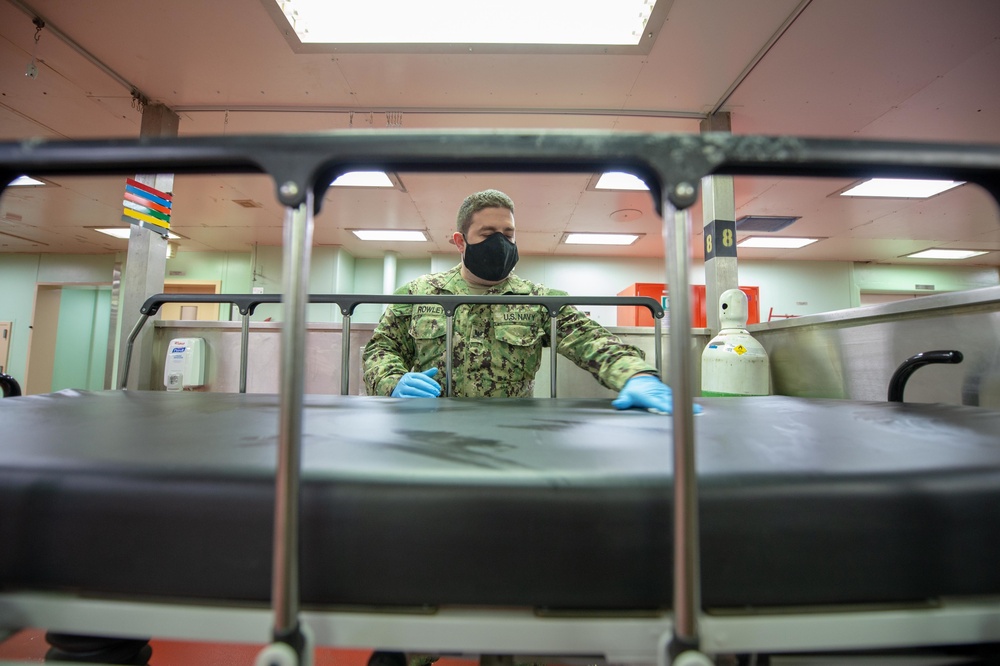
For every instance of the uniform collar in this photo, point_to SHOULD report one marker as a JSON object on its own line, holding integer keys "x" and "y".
{"x": 453, "y": 282}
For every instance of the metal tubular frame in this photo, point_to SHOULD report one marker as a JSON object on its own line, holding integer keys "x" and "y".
{"x": 345, "y": 356}
{"x": 302, "y": 167}
{"x": 285, "y": 582}
{"x": 687, "y": 587}
{"x": 244, "y": 350}
{"x": 247, "y": 303}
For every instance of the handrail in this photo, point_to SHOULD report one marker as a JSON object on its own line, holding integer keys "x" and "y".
{"x": 9, "y": 386}
{"x": 897, "y": 384}
{"x": 247, "y": 304}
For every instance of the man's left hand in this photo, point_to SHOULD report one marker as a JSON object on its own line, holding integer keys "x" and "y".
{"x": 647, "y": 392}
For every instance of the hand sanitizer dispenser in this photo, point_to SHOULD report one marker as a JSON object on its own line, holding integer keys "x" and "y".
{"x": 185, "y": 364}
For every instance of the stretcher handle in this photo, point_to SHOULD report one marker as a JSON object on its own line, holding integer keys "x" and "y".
{"x": 9, "y": 386}
{"x": 899, "y": 378}
{"x": 247, "y": 304}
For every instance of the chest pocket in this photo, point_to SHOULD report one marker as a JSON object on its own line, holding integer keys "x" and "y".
{"x": 427, "y": 328}
{"x": 518, "y": 351}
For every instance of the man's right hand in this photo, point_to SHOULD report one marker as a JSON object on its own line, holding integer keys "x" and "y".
{"x": 417, "y": 385}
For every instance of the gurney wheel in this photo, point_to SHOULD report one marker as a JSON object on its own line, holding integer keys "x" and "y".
{"x": 277, "y": 654}
{"x": 692, "y": 658}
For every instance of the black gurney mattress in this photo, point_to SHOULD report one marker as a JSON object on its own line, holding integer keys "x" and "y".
{"x": 561, "y": 504}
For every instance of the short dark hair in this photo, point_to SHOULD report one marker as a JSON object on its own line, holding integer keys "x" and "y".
{"x": 478, "y": 201}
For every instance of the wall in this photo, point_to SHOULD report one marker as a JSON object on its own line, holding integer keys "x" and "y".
{"x": 19, "y": 275}
{"x": 914, "y": 279}
{"x": 796, "y": 288}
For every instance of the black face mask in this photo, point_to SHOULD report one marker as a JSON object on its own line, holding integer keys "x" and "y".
{"x": 492, "y": 259}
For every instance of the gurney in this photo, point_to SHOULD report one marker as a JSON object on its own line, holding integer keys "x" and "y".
{"x": 824, "y": 525}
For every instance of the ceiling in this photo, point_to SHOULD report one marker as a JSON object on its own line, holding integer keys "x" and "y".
{"x": 897, "y": 69}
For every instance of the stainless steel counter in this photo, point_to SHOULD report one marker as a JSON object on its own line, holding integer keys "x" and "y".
{"x": 853, "y": 353}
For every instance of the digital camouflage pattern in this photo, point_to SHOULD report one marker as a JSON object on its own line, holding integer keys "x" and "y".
{"x": 496, "y": 349}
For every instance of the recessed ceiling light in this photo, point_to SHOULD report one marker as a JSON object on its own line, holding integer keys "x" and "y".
{"x": 945, "y": 254}
{"x": 599, "y": 239}
{"x": 622, "y": 22}
{"x": 900, "y": 188}
{"x": 389, "y": 235}
{"x": 25, "y": 181}
{"x": 125, "y": 232}
{"x": 619, "y": 180}
{"x": 777, "y": 242}
{"x": 363, "y": 179}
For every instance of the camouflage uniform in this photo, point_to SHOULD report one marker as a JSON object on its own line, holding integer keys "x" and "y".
{"x": 496, "y": 349}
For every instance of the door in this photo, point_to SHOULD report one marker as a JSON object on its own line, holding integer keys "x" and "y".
{"x": 5, "y": 329}
{"x": 196, "y": 311}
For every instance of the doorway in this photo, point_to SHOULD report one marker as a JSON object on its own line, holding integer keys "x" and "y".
{"x": 191, "y": 311}
{"x": 67, "y": 346}
{"x": 5, "y": 329}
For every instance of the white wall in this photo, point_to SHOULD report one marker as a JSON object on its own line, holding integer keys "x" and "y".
{"x": 790, "y": 288}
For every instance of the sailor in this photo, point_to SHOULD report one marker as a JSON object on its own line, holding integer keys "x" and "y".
{"x": 497, "y": 349}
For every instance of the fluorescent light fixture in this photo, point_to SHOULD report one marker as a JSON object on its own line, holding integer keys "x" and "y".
{"x": 363, "y": 179}
{"x": 125, "y": 232}
{"x": 776, "y": 242}
{"x": 619, "y": 180}
{"x": 25, "y": 181}
{"x": 622, "y": 22}
{"x": 945, "y": 254}
{"x": 599, "y": 239}
{"x": 900, "y": 188}
{"x": 390, "y": 235}
{"x": 117, "y": 232}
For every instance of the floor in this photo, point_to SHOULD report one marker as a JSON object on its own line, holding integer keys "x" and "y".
{"x": 28, "y": 646}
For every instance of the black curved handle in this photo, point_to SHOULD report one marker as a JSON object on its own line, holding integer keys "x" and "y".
{"x": 898, "y": 382}
{"x": 9, "y": 386}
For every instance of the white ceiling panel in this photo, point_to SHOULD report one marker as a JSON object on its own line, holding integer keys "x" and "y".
{"x": 907, "y": 69}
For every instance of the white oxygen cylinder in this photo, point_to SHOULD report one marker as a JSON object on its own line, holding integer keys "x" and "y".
{"x": 733, "y": 363}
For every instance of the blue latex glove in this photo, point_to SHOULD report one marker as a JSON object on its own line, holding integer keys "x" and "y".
{"x": 417, "y": 385}
{"x": 647, "y": 392}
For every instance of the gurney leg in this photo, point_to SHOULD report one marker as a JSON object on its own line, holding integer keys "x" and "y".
{"x": 282, "y": 653}
{"x": 288, "y": 630}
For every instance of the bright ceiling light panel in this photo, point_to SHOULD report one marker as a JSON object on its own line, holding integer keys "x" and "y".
{"x": 25, "y": 181}
{"x": 945, "y": 254}
{"x": 900, "y": 188}
{"x": 777, "y": 242}
{"x": 619, "y": 180}
{"x": 125, "y": 232}
{"x": 363, "y": 179}
{"x": 389, "y": 235}
{"x": 619, "y": 22}
{"x": 600, "y": 239}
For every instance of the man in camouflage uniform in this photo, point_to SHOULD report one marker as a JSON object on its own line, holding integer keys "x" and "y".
{"x": 496, "y": 349}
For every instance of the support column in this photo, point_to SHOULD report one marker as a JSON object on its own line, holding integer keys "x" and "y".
{"x": 389, "y": 273}
{"x": 719, "y": 217}
{"x": 147, "y": 259}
